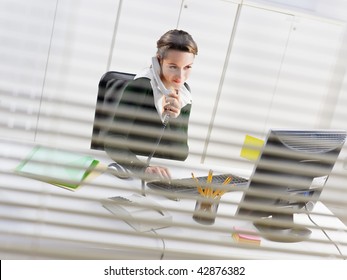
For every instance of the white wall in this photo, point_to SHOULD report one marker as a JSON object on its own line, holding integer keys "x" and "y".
{"x": 79, "y": 52}
{"x": 75, "y": 42}
{"x": 25, "y": 32}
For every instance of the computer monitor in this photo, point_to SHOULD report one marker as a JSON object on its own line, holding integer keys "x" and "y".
{"x": 288, "y": 178}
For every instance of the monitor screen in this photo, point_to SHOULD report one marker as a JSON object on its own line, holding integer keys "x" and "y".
{"x": 288, "y": 178}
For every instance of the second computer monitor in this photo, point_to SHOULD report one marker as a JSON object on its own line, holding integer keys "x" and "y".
{"x": 289, "y": 177}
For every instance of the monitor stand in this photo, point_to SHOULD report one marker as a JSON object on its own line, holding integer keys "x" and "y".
{"x": 294, "y": 233}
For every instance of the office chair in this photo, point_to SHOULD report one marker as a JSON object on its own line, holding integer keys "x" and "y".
{"x": 110, "y": 90}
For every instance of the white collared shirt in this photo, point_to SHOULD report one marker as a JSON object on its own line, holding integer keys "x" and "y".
{"x": 159, "y": 90}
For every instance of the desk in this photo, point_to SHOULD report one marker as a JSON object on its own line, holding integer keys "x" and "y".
{"x": 39, "y": 220}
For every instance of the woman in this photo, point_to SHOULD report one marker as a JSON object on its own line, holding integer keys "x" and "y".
{"x": 152, "y": 116}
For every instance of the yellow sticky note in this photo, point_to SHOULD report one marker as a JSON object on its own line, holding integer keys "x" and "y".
{"x": 251, "y": 148}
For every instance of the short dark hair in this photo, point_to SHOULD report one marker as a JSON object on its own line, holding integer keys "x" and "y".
{"x": 176, "y": 40}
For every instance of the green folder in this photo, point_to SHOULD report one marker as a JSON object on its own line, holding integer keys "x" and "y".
{"x": 59, "y": 167}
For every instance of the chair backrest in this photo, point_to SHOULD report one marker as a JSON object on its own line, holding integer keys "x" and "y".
{"x": 110, "y": 91}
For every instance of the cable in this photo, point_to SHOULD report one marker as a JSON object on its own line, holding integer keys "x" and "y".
{"x": 324, "y": 232}
{"x": 163, "y": 241}
{"x": 165, "y": 122}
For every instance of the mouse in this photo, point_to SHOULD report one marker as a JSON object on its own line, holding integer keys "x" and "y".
{"x": 119, "y": 171}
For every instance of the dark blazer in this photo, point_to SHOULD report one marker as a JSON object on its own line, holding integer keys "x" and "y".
{"x": 137, "y": 127}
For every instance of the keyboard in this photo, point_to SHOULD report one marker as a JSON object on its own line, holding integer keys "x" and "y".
{"x": 189, "y": 185}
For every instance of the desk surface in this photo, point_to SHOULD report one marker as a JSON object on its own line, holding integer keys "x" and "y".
{"x": 40, "y": 220}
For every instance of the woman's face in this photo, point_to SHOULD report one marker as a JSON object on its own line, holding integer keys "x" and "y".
{"x": 176, "y": 68}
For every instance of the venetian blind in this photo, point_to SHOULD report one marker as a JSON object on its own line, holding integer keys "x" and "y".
{"x": 259, "y": 67}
